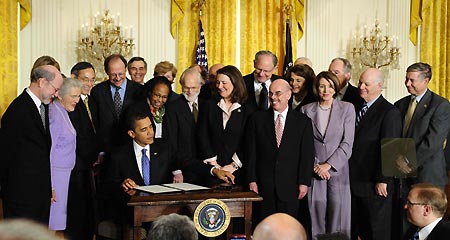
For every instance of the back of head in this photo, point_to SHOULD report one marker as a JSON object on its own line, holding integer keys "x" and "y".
{"x": 20, "y": 229}
{"x": 279, "y": 226}
{"x": 173, "y": 227}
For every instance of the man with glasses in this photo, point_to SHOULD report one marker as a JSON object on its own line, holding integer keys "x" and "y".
{"x": 425, "y": 207}
{"x": 25, "y": 163}
{"x": 258, "y": 82}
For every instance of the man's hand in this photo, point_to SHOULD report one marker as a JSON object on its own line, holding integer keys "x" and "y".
{"x": 402, "y": 165}
{"x": 223, "y": 175}
{"x": 229, "y": 168}
{"x": 381, "y": 189}
{"x": 253, "y": 187}
{"x": 178, "y": 178}
{"x": 302, "y": 191}
{"x": 128, "y": 184}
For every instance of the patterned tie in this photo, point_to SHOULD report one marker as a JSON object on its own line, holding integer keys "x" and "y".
{"x": 409, "y": 115}
{"x": 263, "y": 101}
{"x": 195, "y": 111}
{"x": 42, "y": 113}
{"x": 145, "y": 167}
{"x": 117, "y": 102}
{"x": 279, "y": 129}
{"x": 361, "y": 114}
{"x": 86, "y": 103}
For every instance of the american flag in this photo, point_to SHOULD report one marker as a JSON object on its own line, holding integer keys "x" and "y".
{"x": 200, "y": 55}
{"x": 288, "y": 55}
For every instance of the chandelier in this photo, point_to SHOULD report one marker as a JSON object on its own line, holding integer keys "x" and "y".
{"x": 375, "y": 50}
{"x": 102, "y": 37}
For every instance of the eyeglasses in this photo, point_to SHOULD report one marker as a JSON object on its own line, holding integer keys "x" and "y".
{"x": 258, "y": 70}
{"x": 87, "y": 80}
{"x": 56, "y": 89}
{"x": 409, "y": 203}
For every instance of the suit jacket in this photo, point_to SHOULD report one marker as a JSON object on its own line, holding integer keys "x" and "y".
{"x": 249, "y": 84}
{"x": 25, "y": 164}
{"x": 382, "y": 120}
{"x": 429, "y": 127}
{"x": 309, "y": 98}
{"x": 439, "y": 232}
{"x": 110, "y": 130}
{"x": 352, "y": 96}
{"x": 280, "y": 171}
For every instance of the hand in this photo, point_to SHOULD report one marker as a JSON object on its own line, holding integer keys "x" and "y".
{"x": 128, "y": 184}
{"x": 322, "y": 170}
{"x": 302, "y": 191}
{"x": 229, "y": 168}
{"x": 223, "y": 175}
{"x": 253, "y": 187}
{"x": 178, "y": 178}
{"x": 402, "y": 165}
{"x": 53, "y": 199}
{"x": 99, "y": 161}
{"x": 381, "y": 189}
{"x": 131, "y": 192}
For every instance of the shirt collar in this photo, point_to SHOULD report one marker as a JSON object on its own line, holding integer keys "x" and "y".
{"x": 283, "y": 114}
{"x": 35, "y": 99}
{"x": 138, "y": 148}
{"x": 419, "y": 97}
{"x": 425, "y": 231}
{"x": 371, "y": 102}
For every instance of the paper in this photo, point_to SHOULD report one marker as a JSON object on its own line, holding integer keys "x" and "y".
{"x": 185, "y": 186}
{"x": 157, "y": 189}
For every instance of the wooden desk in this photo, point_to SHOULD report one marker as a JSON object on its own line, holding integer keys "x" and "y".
{"x": 147, "y": 208}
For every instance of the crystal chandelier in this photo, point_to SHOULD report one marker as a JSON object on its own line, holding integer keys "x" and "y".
{"x": 102, "y": 37}
{"x": 376, "y": 50}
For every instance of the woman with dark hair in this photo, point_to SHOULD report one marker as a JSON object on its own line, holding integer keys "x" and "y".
{"x": 301, "y": 79}
{"x": 222, "y": 123}
{"x": 333, "y": 130}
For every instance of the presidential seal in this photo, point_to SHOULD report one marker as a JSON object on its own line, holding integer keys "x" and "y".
{"x": 212, "y": 217}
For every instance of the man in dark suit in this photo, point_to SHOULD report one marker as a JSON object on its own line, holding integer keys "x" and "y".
{"x": 280, "y": 154}
{"x": 209, "y": 90}
{"x": 426, "y": 118}
{"x": 25, "y": 164}
{"x": 259, "y": 80}
{"x": 80, "y": 207}
{"x": 371, "y": 191}
{"x": 425, "y": 206}
{"x": 343, "y": 70}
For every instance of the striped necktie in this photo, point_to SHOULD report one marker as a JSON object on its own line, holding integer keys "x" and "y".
{"x": 361, "y": 114}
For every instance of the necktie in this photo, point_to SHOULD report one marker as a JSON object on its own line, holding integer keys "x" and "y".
{"x": 263, "y": 101}
{"x": 415, "y": 236}
{"x": 195, "y": 111}
{"x": 86, "y": 103}
{"x": 409, "y": 114}
{"x": 42, "y": 113}
{"x": 145, "y": 167}
{"x": 117, "y": 102}
{"x": 361, "y": 114}
{"x": 279, "y": 129}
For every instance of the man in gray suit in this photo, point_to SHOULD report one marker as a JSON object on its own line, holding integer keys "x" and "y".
{"x": 426, "y": 118}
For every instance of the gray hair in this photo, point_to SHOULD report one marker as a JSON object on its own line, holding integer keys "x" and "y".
{"x": 347, "y": 64}
{"x": 42, "y": 72}
{"x": 21, "y": 229}
{"x": 269, "y": 53}
{"x": 191, "y": 71}
{"x": 68, "y": 84}
{"x": 423, "y": 68}
{"x": 173, "y": 227}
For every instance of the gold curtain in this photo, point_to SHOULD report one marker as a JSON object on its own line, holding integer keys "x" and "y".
{"x": 435, "y": 43}
{"x": 219, "y": 24}
{"x": 263, "y": 28}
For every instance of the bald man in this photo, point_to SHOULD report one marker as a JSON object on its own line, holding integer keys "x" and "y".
{"x": 279, "y": 226}
{"x": 303, "y": 60}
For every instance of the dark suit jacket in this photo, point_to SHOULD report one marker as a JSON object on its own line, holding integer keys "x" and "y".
{"x": 439, "y": 232}
{"x": 309, "y": 98}
{"x": 110, "y": 131}
{"x": 25, "y": 164}
{"x": 249, "y": 84}
{"x": 352, "y": 96}
{"x": 429, "y": 127}
{"x": 280, "y": 171}
{"x": 382, "y": 120}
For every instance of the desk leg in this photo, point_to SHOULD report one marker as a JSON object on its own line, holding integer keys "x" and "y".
{"x": 137, "y": 223}
{"x": 248, "y": 219}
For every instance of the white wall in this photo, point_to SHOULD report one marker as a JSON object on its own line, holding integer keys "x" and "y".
{"x": 330, "y": 25}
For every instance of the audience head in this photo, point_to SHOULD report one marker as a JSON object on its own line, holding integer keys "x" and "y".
{"x": 137, "y": 68}
{"x": 45, "y": 60}
{"x": 173, "y": 227}
{"x": 212, "y": 74}
{"x": 265, "y": 64}
{"x": 84, "y": 72}
{"x": 191, "y": 82}
{"x": 370, "y": 84}
{"x": 46, "y": 80}
{"x": 115, "y": 67}
{"x": 301, "y": 78}
{"x": 418, "y": 75}
{"x": 165, "y": 69}
{"x": 139, "y": 126}
{"x": 279, "y": 226}
{"x": 425, "y": 204}
{"x": 20, "y": 229}
{"x": 326, "y": 85}
{"x": 69, "y": 93}
{"x": 279, "y": 95}
{"x": 303, "y": 60}
{"x": 230, "y": 84}
{"x": 343, "y": 70}
{"x": 202, "y": 70}
{"x": 158, "y": 91}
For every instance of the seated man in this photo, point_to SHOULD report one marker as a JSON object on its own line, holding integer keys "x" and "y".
{"x": 279, "y": 226}
{"x": 425, "y": 206}
{"x": 172, "y": 226}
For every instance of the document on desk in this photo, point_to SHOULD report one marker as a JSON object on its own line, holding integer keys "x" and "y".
{"x": 185, "y": 186}
{"x": 157, "y": 189}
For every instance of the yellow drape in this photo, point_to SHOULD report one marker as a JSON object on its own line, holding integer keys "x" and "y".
{"x": 263, "y": 28}
{"x": 25, "y": 12}
{"x": 219, "y": 24}
{"x": 415, "y": 19}
{"x": 435, "y": 43}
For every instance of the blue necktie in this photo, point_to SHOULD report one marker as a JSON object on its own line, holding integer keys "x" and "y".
{"x": 145, "y": 167}
{"x": 415, "y": 236}
{"x": 361, "y": 114}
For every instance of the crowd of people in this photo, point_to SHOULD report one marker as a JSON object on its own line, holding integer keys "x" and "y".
{"x": 310, "y": 145}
